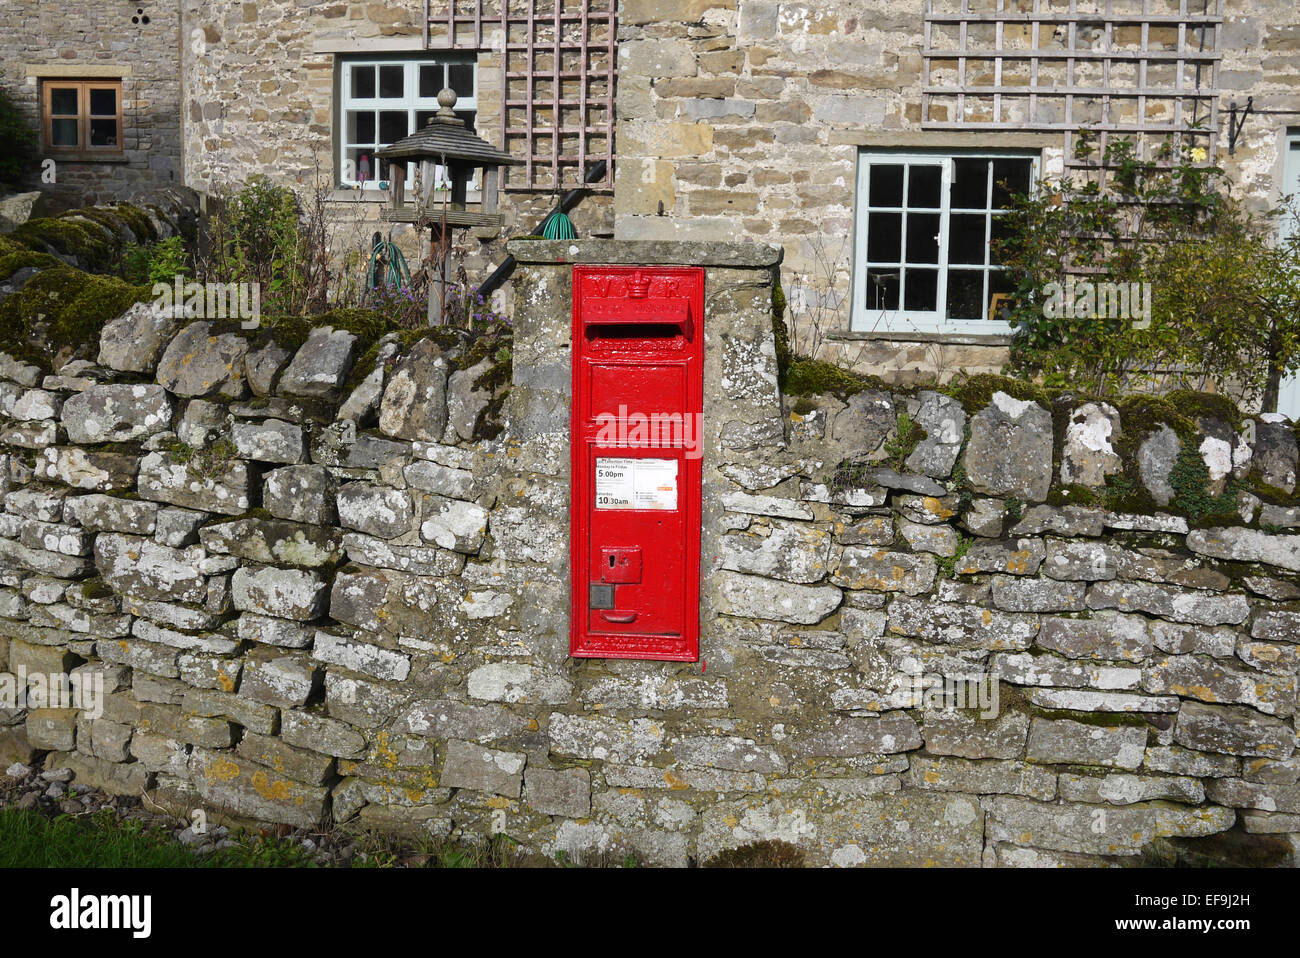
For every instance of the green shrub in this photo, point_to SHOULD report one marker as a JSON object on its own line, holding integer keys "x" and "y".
{"x": 259, "y": 236}
{"x": 18, "y": 141}
{"x": 1225, "y": 297}
{"x": 154, "y": 263}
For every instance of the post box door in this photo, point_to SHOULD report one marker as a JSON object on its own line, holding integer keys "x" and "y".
{"x": 637, "y": 410}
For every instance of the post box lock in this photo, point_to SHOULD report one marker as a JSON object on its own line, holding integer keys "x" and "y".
{"x": 620, "y": 564}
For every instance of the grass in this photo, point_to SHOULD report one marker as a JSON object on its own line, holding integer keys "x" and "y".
{"x": 29, "y": 839}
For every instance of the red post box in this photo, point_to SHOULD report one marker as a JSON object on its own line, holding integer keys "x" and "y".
{"x": 638, "y": 404}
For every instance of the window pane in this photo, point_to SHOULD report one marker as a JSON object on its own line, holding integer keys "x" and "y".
{"x": 1000, "y": 282}
{"x": 999, "y": 231}
{"x": 884, "y": 237}
{"x": 966, "y": 238}
{"x": 966, "y": 294}
{"x": 393, "y": 125}
{"x": 462, "y": 78}
{"x": 882, "y": 288}
{"x": 64, "y": 132}
{"x": 431, "y": 80}
{"x": 392, "y": 82}
{"x": 353, "y": 158}
{"x": 363, "y": 82}
{"x": 361, "y": 126}
{"x": 63, "y": 102}
{"x": 922, "y": 237}
{"x": 886, "y": 185}
{"x": 103, "y": 103}
{"x": 923, "y": 186}
{"x": 1016, "y": 174}
{"x": 970, "y": 184}
{"x": 422, "y": 118}
{"x": 365, "y": 166}
{"x": 103, "y": 132}
{"x": 922, "y": 290}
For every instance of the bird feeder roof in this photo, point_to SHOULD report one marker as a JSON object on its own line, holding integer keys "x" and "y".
{"x": 446, "y": 138}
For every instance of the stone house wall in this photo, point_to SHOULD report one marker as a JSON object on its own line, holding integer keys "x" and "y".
{"x": 260, "y": 95}
{"x": 64, "y": 39}
{"x": 742, "y": 119}
{"x": 307, "y": 601}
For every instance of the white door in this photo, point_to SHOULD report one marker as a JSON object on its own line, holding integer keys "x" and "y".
{"x": 1288, "y": 398}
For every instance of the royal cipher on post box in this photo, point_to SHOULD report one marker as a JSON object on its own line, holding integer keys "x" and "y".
{"x": 638, "y": 403}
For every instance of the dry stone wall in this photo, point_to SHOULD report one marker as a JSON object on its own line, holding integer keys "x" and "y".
{"x": 312, "y": 592}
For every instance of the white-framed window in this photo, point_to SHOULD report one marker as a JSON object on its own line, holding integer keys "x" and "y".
{"x": 924, "y": 228}
{"x": 382, "y": 99}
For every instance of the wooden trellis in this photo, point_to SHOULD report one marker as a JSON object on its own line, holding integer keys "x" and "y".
{"x": 1144, "y": 69}
{"x": 559, "y": 69}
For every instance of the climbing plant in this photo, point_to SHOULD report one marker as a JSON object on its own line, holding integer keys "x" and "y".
{"x": 1223, "y": 292}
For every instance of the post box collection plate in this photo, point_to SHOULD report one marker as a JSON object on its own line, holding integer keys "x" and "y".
{"x": 638, "y": 403}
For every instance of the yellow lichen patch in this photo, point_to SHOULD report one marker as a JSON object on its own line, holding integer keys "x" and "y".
{"x": 222, "y": 770}
{"x": 499, "y": 801}
{"x": 932, "y": 777}
{"x": 226, "y": 682}
{"x": 936, "y": 508}
{"x": 275, "y": 790}
{"x": 675, "y": 782}
{"x": 1019, "y": 563}
{"x": 384, "y": 753}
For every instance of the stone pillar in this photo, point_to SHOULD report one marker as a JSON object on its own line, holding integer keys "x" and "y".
{"x": 743, "y": 422}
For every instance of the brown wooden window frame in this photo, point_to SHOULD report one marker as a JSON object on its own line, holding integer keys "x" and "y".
{"x": 83, "y": 147}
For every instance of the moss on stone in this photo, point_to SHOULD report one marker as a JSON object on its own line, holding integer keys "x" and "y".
{"x": 1073, "y": 496}
{"x": 66, "y": 237}
{"x": 1196, "y": 405}
{"x": 292, "y": 331}
{"x": 96, "y": 589}
{"x": 11, "y": 263}
{"x": 1140, "y": 416}
{"x": 1273, "y": 495}
{"x": 977, "y": 391}
{"x": 780, "y": 334}
{"x": 813, "y": 377}
{"x": 138, "y": 221}
{"x": 62, "y": 307}
{"x": 1097, "y": 719}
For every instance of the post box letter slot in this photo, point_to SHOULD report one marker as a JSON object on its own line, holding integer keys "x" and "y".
{"x": 622, "y": 618}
